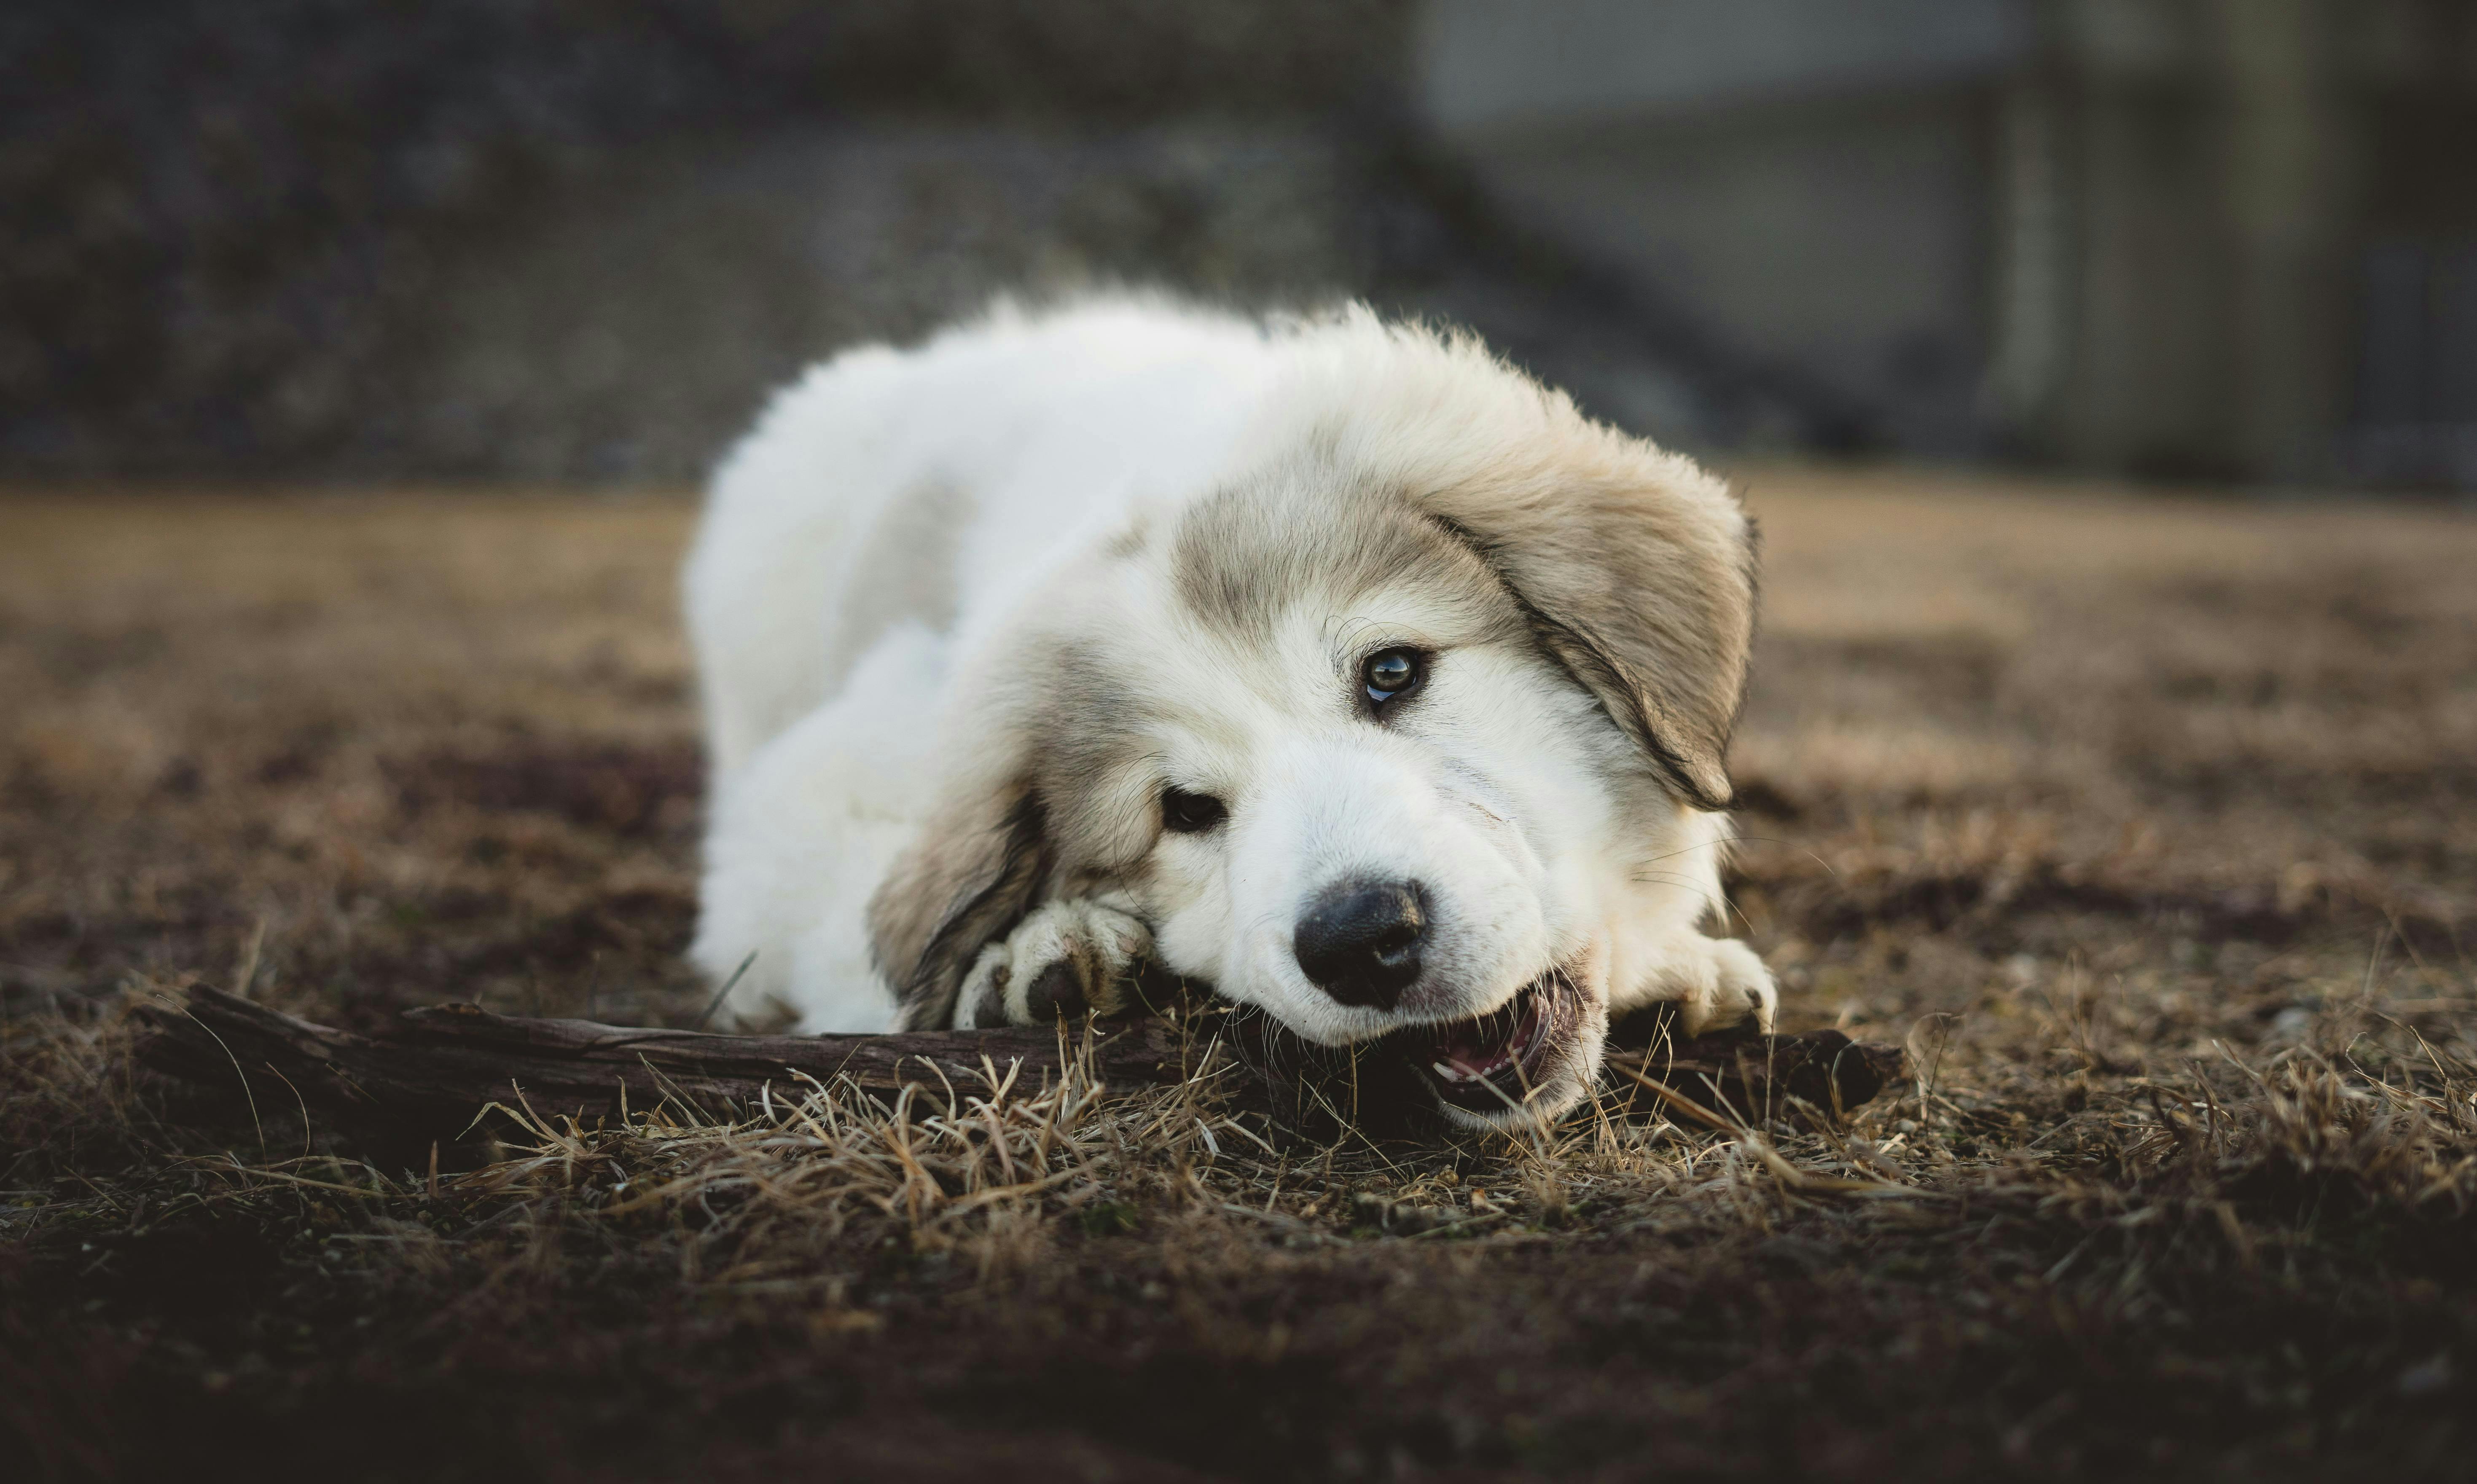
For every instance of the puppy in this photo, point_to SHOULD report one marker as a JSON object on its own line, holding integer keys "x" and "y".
{"x": 1330, "y": 661}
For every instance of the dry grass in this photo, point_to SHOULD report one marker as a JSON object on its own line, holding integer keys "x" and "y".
{"x": 2145, "y": 822}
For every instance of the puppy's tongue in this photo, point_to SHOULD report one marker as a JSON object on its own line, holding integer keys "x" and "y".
{"x": 1473, "y": 1049}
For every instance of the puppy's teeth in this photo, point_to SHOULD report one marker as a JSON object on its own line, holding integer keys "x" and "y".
{"x": 1446, "y": 1071}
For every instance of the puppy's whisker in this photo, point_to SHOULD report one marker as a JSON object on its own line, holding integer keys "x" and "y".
{"x": 1827, "y": 866}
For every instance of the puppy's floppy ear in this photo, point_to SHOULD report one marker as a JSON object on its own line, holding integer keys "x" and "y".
{"x": 1640, "y": 578}
{"x": 976, "y": 869}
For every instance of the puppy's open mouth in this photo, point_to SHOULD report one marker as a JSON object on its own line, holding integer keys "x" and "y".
{"x": 1493, "y": 1062}
{"x": 1531, "y": 1058}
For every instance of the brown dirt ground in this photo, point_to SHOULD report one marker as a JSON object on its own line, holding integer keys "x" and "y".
{"x": 2147, "y": 823}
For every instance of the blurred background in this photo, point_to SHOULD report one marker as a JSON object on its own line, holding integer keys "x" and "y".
{"x": 2220, "y": 240}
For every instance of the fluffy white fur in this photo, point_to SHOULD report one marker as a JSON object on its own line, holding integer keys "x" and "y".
{"x": 906, "y": 536}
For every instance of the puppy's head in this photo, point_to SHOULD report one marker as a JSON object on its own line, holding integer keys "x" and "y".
{"x": 1388, "y": 739}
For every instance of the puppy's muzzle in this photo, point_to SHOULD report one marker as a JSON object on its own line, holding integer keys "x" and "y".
{"x": 1359, "y": 941}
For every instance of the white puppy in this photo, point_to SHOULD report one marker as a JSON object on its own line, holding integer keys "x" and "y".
{"x": 1330, "y": 661}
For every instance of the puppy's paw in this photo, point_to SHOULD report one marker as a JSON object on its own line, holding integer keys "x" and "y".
{"x": 1066, "y": 958}
{"x": 1718, "y": 982}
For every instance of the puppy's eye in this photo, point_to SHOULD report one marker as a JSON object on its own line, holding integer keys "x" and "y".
{"x": 1389, "y": 673}
{"x": 1186, "y": 813}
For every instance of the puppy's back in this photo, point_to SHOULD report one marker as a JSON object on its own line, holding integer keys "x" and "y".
{"x": 924, "y": 486}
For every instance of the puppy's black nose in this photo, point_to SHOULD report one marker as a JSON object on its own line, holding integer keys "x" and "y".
{"x": 1360, "y": 941}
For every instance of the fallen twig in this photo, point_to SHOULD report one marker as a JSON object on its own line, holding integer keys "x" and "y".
{"x": 446, "y": 1063}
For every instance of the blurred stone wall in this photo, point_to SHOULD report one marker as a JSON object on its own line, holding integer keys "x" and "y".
{"x": 551, "y": 238}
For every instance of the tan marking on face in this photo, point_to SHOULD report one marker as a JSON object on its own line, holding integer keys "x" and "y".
{"x": 1246, "y": 558}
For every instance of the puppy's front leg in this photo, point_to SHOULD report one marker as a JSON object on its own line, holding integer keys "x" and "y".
{"x": 1065, "y": 958}
{"x": 1715, "y": 983}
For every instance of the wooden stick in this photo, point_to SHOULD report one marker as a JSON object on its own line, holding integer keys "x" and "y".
{"x": 436, "y": 1072}
{"x": 447, "y": 1062}
{"x": 1751, "y": 1079}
